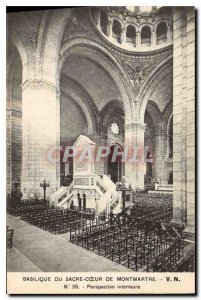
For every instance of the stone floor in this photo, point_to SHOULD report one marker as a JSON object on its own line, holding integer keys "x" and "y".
{"x": 36, "y": 250}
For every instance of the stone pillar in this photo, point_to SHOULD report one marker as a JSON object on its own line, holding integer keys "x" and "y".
{"x": 153, "y": 38}
{"x": 138, "y": 38}
{"x": 179, "y": 57}
{"x": 40, "y": 135}
{"x": 184, "y": 118}
{"x": 169, "y": 36}
{"x": 135, "y": 162}
{"x": 158, "y": 153}
{"x": 190, "y": 124}
{"x": 108, "y": 29}
{"x": 123, "y": 36}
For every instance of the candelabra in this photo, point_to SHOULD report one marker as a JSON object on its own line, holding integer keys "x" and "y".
{"x": 121, "y": 186}
{"x": 44, "y": 185}
{"x": 16, "y": 183}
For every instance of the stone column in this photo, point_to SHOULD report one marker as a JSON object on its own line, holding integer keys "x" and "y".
{"x": 123, "y": 36}
{"x": 40, "y": 135}
{"x": 169, "y": 37}
{"x": 158, "y": 153}
{"x": 110, "y": 29}
{"x": 179, "y": 99}
{"x": 153, "y": 38}
{"x": 190, "y": 124}
{"x": 138, "y": 38}
{"x": 135, "y": 162}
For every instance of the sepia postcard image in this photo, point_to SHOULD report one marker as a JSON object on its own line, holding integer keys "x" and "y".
{"x": 100, "y": 150}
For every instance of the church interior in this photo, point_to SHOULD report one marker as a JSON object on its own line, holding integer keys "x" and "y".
{"x": 114, "y": 86}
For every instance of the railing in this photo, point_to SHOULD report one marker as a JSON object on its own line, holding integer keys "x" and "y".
{"x": 105, "y": 189}
{"x": 90, "y": 181}
{"x": 116, "y": 200}
{"x": 61, "y": 196}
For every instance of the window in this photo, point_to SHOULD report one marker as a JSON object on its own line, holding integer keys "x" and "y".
{"x": 146, "y": 36}
{"x": 104, "y": 23}
{"x": 116, "y": 30}
{"x": 130, "y": 34}
{"x": 161, "y": 33}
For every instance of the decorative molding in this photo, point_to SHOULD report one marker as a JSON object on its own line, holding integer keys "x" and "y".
{"x": 39, "y": 85}
{"x": 134, "y": 126}
{"x": 135, "y": 53}
{"x": 14, "y": 113}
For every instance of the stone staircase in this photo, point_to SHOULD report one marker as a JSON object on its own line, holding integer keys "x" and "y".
{"x": 100, "y": 193}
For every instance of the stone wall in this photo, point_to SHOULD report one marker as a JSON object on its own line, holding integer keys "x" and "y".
{"x": 184, "y": 117}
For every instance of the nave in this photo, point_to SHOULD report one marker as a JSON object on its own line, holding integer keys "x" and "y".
{"x": 140, "y": 239}
{"x": 37, "y": 250}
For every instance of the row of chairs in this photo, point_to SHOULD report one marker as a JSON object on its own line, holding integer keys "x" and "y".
{"x": 167, "y": 260}
{"x": 56, "y": 219}
{"x": 26, "y": 205}
{"x": 158, "y": 207}
{"x": 9, "y": 237}
{"x": 186, "y": 263}
{"x": 132, "y": 242}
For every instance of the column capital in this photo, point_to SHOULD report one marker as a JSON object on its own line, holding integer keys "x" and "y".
{"x": 14, "y": 112}
{"x": 39, "y": 84}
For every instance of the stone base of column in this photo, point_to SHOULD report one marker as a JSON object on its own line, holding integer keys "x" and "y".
{"x": 177, "y": 224}
{"x": 189, "y": 234}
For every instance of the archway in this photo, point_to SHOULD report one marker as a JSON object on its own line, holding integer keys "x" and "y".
{"x": 91, "y": 91}
{"x": 115, "y": 169}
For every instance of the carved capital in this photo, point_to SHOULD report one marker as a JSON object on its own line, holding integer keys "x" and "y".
{"x": 14, "y": 113}
{"x": 39, "y": 85}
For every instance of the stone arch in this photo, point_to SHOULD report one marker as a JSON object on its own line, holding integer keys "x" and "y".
{"x": 105, "y": 59}
{"x": 118, "y": 20}
{"x": 131, "y": 32}
{"x": 114, "y": 105}
{"x": 154, "y": 112}
{"x": 52, "y": 38}
{"x": 128, "y": 23}
{"x": 147, "y": 24}
{"x": 161, "y": 21}
{"x": 161, "y": 32}
{"x": 117, "y": 30}
{"x": 40, "y": 40}
{"x": 91, "y": 117}
{"x": 167, "y": 113}
{"x": 150, "y": 84}
{"x": 23, "y": 53}
{"x": 146, "y": 33}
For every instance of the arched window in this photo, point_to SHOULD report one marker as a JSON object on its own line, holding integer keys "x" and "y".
{"x": 161, "y": 33}
{"x": 130, "y": 34}
{"x": 146, "y": 36}
{"x": 104, "y": 23}
{"x": 116, "y": 30}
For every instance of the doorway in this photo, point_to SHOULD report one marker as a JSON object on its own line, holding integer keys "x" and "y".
{"x": 115, "y": 167}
